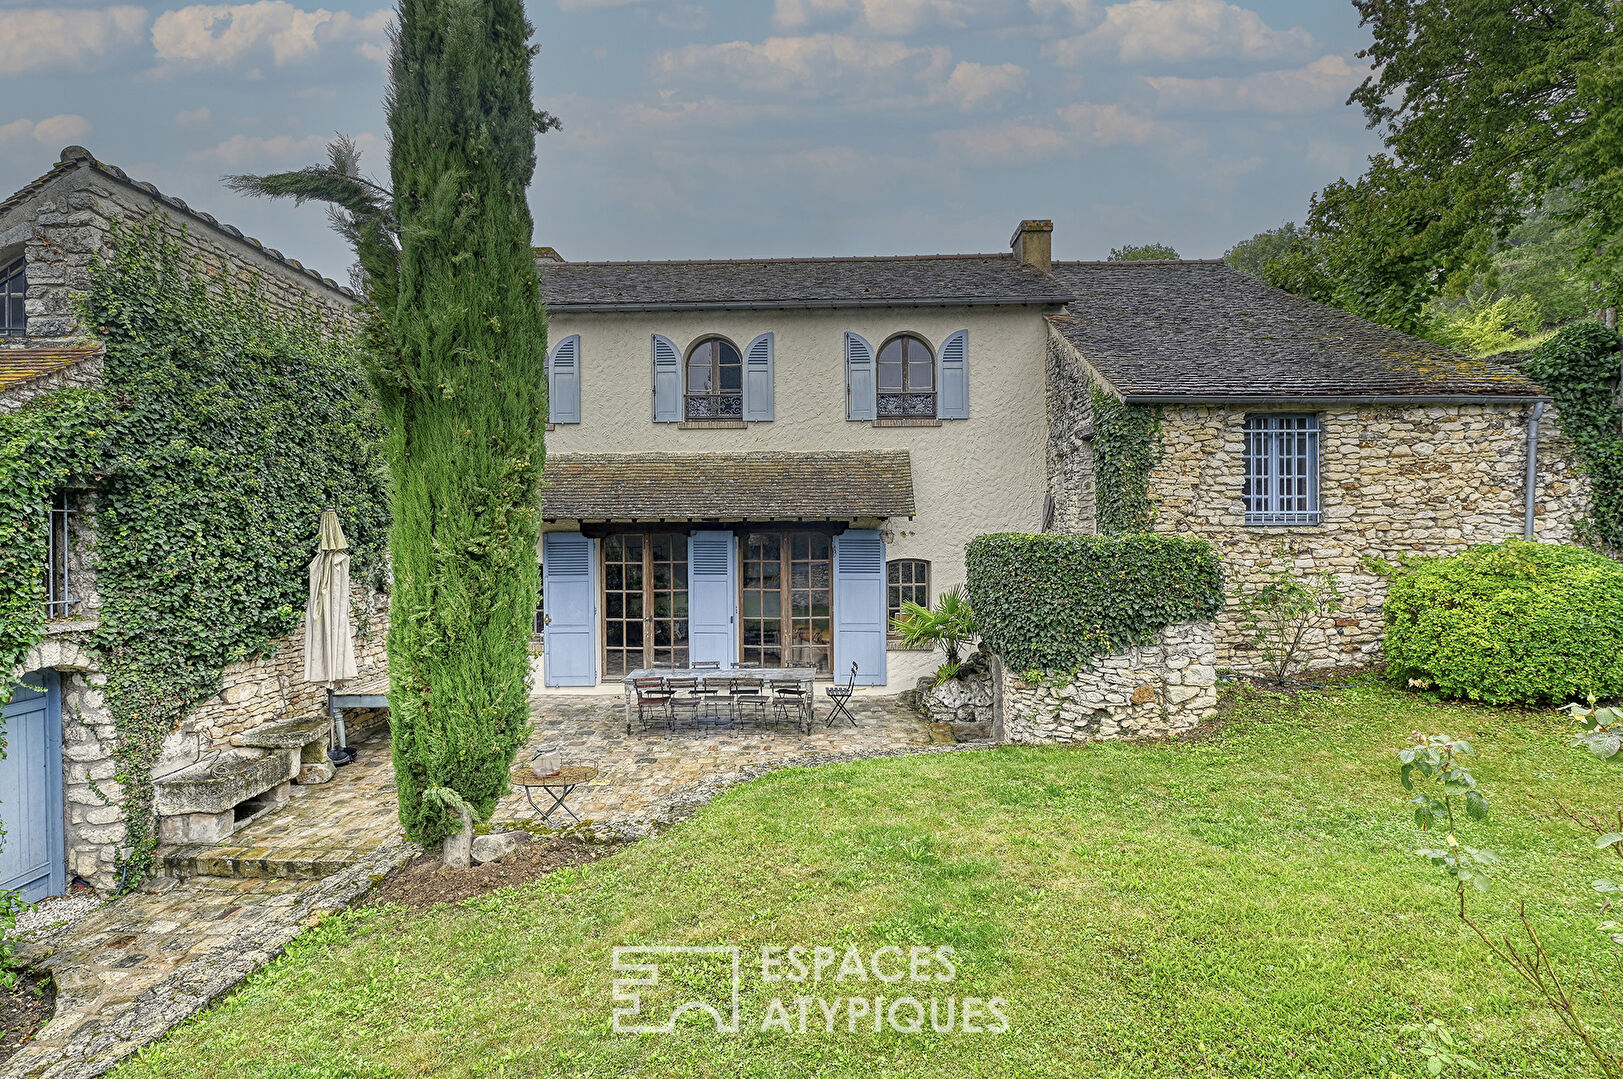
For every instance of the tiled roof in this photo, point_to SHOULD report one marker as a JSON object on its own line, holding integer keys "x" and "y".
{"x": 901, "y": 281}
{"x": 74, "y": 156}
{"x": 19, "y": 365}
{"x": 727, "y": 486}
{"x": 1189, "y": 330}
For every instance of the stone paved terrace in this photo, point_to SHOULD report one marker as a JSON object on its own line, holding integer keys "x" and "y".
{"x": 132, "y": 969}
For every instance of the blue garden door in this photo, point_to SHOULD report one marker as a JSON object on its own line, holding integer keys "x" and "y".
{"x": 32, "y": 858}
{"x": 568, "y": 592}
{"x": 859, "y": 606}
{"x": 712, "y": 598}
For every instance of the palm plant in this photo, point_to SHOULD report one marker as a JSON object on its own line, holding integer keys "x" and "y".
{"x": 951, "y": 625}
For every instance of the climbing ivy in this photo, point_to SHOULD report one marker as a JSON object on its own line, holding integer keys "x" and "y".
{"x": 231, "y": 427}
{"x": 1579, "y": 368}
{"x": 1126, "y": 446}
{"x": 50, "y": 443}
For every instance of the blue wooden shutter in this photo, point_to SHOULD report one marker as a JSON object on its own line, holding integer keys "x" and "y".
{"x": 568, "y": 579}
{"x": 667, "y": 380}
{"x": 859, "y": 606}
{"x": 33, "y": 859}
{"x": 712, "y": 598}
{"x": 758, "y": 379}
{"x": 860, "y": 403}
{"x": 952, "y": 385}
{"x": 563, "y": 381}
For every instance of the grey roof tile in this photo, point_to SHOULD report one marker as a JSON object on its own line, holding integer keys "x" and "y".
{"x": 1199, "y": 330}
{"x": 762, "y": 486}
{"x": 899, "y": 281}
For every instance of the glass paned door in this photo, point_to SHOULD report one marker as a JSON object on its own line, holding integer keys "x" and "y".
{"x": 788, "y": 600}
{"x": 645, "y": 602}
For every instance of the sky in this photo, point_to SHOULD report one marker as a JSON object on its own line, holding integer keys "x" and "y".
{"x": 744, "y": 128}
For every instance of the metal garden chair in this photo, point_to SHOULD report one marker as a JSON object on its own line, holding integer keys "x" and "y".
{"x": 840, "y": 696}
{"x": 653, "y": 699}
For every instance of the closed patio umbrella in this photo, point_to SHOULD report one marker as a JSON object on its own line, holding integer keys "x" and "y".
{"x": 329, "y": 650}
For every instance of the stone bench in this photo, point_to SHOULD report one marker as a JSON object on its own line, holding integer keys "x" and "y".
{"x": 207, "y": 801}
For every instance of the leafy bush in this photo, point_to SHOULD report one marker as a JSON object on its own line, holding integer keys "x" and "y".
{"x": 1053, "y": 602}
{"x": 1277, "y": 614}
{"x": 951, "y": 625}
{"x": 1515, "y": 622}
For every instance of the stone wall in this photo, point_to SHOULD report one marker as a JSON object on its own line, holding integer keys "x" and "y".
{"x": 253, "y": 692}
{"x": 1070, "y": 445}
{"x": 61, "y": 222}
{"x": 1148, "y": 691}
{"x": 1394, "y": 481}
{"x": 963, "y": 703}
{"x": 83, "y": 375}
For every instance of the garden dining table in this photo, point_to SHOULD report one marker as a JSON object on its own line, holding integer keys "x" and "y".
{"x": 804, "y": 675}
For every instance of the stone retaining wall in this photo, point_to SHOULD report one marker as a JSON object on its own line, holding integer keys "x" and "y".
{"x": 964, "y": 704}
{"x": 1148, "y": 691}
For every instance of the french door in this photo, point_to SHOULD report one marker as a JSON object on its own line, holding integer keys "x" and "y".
{"x": 645, "y": 601}
{"x": 787, "y": 600}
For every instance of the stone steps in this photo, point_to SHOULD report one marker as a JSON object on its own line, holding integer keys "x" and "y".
{"x": 201, "y": 860}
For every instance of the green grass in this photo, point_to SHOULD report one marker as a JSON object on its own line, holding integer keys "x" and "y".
{"x": 1244, "y": 905}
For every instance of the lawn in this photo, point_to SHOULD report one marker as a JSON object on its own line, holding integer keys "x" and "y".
{"x": 1246, "y": 904}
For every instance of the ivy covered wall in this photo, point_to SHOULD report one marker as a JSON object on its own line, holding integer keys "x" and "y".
{"x": 223, "y": 428}
{"x": 1579, "y": 367}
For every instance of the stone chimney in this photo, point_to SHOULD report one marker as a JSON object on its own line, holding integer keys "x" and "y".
{"x": 546, "y": 254}
{"x": 1033, "y": 244}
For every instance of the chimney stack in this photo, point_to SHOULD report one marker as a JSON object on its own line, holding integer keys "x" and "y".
{"x": 1033, "y": 244}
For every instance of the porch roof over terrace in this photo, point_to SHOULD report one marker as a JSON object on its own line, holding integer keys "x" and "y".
{"x": 760, "y": 486}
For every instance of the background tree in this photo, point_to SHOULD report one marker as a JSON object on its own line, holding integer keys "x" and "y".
{"x": 1142, "y": 252}
{"x": 456, "y": 332}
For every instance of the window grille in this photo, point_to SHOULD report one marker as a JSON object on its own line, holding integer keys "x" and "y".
{"x": 907, "y": 581}
{"x": 1281, "y": 470}
{"x": 59, "y": 598}
{"x": 13, "y": 296}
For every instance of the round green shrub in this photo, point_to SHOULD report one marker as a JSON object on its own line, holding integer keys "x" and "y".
{"x": 1515, "y": 622}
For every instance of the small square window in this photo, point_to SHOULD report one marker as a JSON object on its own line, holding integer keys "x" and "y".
{"x": 13, "y": 298}
{"x": 1281, "y": 470}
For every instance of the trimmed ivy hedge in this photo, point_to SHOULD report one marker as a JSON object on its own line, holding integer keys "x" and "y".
{"x": 1053, "y": 602}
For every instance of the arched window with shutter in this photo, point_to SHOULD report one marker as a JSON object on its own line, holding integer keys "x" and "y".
{"x": 563, "y": 381}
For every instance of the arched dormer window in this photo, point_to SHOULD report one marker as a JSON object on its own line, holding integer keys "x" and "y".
{"x": 13, "y": 294}
{"x": 906, "y": 377}
{"x": 713, "y": 381}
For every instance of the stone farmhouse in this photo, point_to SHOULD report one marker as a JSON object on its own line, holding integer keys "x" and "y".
{"x": 759, "y": 461}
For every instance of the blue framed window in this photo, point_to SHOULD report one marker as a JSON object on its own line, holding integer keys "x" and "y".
{"x": 1281, "y": 469}
{"x": 13, "y": 293}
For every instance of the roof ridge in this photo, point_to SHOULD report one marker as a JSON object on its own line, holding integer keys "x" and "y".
{"x": 1140, "y": 262}
{"x": 787, "y": 259}
{"x": 73, "y": 156}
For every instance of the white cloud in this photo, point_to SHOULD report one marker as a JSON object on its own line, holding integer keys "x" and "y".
{"x": 1073, "y": 128}
{"x": 198, "y": 117}
{"x": 893, "y": 17}
{"x": 1179, "y": 30}
{"x": 814, "y": 66}
{"x": 39, "y": 39}
{"x": 226, "y": 35}
{"x": 53, "y": 132}
{"x": 973, "y": 86}
{"x": 283, "y": 151}
{"x": 1323, "y": 84}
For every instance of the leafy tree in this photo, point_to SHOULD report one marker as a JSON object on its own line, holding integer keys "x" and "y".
{"x": 1142, "y": 252}
{"x": 1490, "y": 105}
{"x": 457, "y": 335}
{"x": 1253, "y": 256}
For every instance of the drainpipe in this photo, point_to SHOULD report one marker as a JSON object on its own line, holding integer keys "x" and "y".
{"x": 1532, "y": 469}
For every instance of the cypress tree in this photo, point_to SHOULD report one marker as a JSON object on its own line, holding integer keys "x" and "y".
{"x": 456, "y": 335}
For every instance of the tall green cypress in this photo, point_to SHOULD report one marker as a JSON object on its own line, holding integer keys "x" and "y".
{"x": 462, "y": 384}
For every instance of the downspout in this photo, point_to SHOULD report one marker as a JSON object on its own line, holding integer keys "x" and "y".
{"x": 1532, "y": 469}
